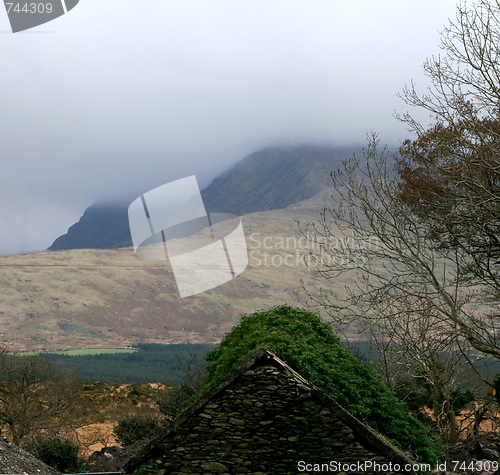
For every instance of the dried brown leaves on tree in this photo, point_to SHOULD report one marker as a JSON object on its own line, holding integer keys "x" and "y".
{"x": 450, "y": 174}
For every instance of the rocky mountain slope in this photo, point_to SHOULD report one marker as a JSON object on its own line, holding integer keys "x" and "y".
{"x": 274, "y": 178}
{"x": 15, "y": 460}
{"x": 102, "y": 226}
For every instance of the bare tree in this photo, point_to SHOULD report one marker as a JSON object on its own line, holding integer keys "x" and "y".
{"x": 450, "y": 174}
{"x": 371, "y": 233}
{"x": 194, "y": 374}
{"x": 465, "y": 80}
{"x": 417, "y": 239}
{"x": 37, "y": 396}
{"x": 406, "y": 293}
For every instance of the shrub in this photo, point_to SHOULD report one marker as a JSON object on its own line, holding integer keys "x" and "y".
{"x": 460, "y": 398}
{"x": 174, "y": 403}
{"x": 132, "y": 428}
{"x": 60, "y": 454}
{"x": 496, "y": 387}
{"x": 309, "y": 346}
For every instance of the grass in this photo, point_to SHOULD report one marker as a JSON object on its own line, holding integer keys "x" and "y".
{"x": 111, "y": 299}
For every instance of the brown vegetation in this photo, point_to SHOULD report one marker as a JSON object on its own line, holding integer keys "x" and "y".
{"x": 111, "y": 299}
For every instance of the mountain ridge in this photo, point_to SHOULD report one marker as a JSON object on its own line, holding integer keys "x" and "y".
{"x": 269, "y": 179}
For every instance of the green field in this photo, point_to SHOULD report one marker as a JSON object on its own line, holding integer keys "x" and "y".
{"x": 82, "y": 351}
{"x": 92, "y": 351}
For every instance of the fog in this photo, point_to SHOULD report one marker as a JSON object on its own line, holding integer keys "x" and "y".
{"x": 118, "y": 97}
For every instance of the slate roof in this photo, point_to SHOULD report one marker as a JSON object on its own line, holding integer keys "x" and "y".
{"x": 364, "y": 434}
{"x": 14, "y": 460}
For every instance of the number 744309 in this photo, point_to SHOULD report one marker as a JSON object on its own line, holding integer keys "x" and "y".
{"x": 30, "y": 7}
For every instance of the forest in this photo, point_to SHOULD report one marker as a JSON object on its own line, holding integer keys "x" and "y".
{"x": 154, "y": 362}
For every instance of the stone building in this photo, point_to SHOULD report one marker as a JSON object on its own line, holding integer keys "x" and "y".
{"x": 265, "y": 419}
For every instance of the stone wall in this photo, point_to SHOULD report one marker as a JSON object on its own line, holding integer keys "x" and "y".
{"x": 263, "y": 423}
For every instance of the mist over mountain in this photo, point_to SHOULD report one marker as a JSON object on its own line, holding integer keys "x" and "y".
{"x": 273, "y": 178}
{"x": 270, "y": 179}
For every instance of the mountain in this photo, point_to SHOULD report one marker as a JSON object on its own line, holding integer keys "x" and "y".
{"x": 270, "y": 179}
{"x": 102, "y": 226}
{"x": 273, "y": 178}
{"x": 100, "y": 295}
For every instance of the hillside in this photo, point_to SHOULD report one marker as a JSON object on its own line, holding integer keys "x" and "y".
{"x": 270, "y": 179}
{"x": 96, "y": 298}
{"x": 102, "y": 226}
{"x": 274, "y": 178}
{"x": 106, "y": 297}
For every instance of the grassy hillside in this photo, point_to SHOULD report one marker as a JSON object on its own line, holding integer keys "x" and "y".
{"x": 112, "y": 299}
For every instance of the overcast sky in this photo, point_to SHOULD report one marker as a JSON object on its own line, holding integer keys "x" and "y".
{"x": 121, "y": 96}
